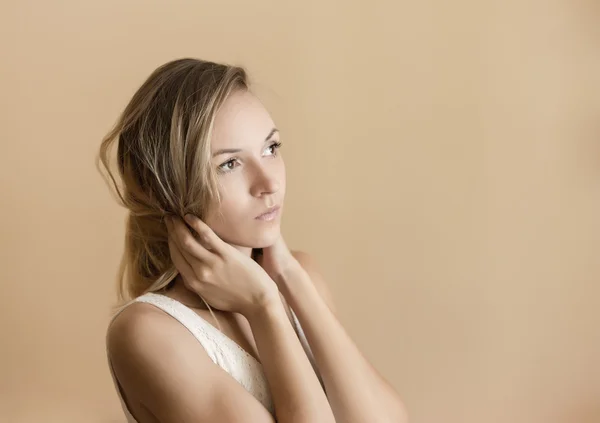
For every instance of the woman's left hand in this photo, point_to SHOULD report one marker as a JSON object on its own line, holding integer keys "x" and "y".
{"x": 277, "y": 260}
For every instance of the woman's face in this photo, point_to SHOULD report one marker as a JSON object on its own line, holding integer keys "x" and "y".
{"x": 251, "y": 177}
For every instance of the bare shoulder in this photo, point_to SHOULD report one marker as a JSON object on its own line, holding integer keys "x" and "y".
{"x": 310, "y": 265}
{"x": 135, "y": 327}
{"x": 160, "y": 365}
{"x": 141, "y": 318}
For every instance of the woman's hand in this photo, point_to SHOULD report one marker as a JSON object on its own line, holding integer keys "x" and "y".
{"x": 224, "y": 277}
{"x": 277, "y": 260}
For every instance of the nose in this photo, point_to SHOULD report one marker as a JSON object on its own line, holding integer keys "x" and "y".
{"x": 265, "y": 182}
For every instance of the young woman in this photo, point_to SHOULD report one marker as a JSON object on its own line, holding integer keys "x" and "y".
{"x": 219, "y": 320}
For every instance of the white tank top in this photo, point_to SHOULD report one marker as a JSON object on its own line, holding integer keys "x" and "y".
{"x": 222, "y": 350}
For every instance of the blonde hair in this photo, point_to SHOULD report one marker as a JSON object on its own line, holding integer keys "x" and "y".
{"x": 163, "y": 160}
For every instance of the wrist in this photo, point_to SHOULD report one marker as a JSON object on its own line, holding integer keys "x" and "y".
{"x": 270, "y": 307}
{"x": 293, "y": 273}
{"x": 264, "y": 297}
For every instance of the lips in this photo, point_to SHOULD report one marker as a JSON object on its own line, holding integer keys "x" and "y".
{"x": 270, "y": 210}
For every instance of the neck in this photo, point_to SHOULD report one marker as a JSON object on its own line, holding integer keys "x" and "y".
{"x": 247, "y": 251}
{"x": 178, "y": 291}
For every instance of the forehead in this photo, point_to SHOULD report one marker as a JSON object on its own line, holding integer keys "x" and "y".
{"x": 242, "y": 121}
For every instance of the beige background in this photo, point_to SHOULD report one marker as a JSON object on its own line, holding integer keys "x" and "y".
{"x": 444, "y": 168}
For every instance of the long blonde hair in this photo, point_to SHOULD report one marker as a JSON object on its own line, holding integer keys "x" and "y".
{"x": 163, "y": 160}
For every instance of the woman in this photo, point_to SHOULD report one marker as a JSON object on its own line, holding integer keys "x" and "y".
{"x": 204, "y": 183}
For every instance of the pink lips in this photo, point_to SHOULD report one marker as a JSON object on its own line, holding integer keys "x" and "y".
{"x": 270, "y": 214}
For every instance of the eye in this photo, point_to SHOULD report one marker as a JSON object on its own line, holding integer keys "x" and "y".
{"x": 227, "y": 166}
{"x": 230, "y": 165}
{"x": 275, "y": 146}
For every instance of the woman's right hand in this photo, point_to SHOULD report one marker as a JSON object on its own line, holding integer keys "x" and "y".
{"x": 224, "y": 277}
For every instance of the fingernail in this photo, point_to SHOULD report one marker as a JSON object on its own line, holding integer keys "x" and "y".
{"x": 189, "y": 218}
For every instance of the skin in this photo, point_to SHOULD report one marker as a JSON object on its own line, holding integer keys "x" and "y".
{"x": 164, "y": 373}
{"x": 250, "y": 181}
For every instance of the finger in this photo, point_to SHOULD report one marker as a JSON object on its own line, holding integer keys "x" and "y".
{"x": 187, "y": 243}
{"x": 209, "y": 238}
{"x": 181, "y": 264}
{"x": 174, "y": 242}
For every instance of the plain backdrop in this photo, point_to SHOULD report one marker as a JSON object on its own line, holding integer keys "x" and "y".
{"x": 443, "y": 168}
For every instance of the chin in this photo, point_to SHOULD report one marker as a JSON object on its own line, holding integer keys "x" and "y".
{"x": 266, "y": 238}
{"x": 262, "y": 239}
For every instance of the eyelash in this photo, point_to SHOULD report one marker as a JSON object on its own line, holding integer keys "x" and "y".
{"x": 222, "y": 169}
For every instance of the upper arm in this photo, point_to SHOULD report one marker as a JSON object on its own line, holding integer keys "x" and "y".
{"x": 309, "y": 264}
{"x": 159, "y": 363}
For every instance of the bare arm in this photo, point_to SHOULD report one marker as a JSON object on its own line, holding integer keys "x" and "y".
{"x": 296, "y": 390}
{"x": 162, "y": 366}
{"x": 356, "y": 392}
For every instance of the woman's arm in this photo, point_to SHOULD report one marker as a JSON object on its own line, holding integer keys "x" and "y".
{"x": 296, "y": 390}
{"x": 162, "y": 367}
{"x": 356, "y": 392}
{"x": 164, "y": 372}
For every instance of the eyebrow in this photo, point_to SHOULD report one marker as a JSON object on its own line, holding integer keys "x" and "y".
{"x": 237, "y": 150}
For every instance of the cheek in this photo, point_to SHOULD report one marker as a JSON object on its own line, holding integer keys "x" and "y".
{"x": 224, "y": 214}
{"x": 227, "y": 218}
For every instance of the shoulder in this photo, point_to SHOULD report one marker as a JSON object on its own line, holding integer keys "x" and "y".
{"x": 140, "y": 332}
{"x": 159, "y": 364}
{"x": 310, "y": 265}
{"x": 135, "y": 319}
{"x": 144, "y": 346}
